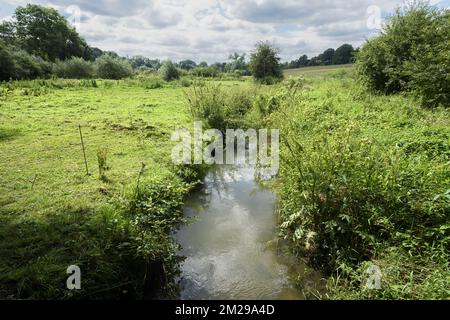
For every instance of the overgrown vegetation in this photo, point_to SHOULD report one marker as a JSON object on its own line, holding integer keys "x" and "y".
{"x": 412, "y": 54}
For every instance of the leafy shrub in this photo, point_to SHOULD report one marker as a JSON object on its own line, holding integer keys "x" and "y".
{"x": 18, "y": 64}
{"x": 206, "y": 72}
{"x": 109, "y": 67}
{"x": 185, "y": 82}
{"x": 74, "y": 68}
{"x": 411, "y": 54}
{"x": 221, "y": 107}
{"x": 152, "y": 82}
{"x": 169, "y": 71}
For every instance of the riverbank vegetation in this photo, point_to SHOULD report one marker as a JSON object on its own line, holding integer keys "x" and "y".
{"x": 363, "y": 181}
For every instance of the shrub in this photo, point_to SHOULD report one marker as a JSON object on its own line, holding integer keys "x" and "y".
{"x": 74, "y": 68}
{"x": 18, "y": 64}
{"x": 221, "y": 107}
{"x": 169, "y": 72}
{"x": 411, "y": 54}
{"x": 207, "y": 72}
{"x": 153, "y": 82}
{"x": 109, "y": 67}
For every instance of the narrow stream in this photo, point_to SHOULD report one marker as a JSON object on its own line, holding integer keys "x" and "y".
{"x": 226, "y": 247}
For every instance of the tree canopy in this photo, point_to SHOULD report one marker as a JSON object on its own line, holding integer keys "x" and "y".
{"x": 265, "y": 63}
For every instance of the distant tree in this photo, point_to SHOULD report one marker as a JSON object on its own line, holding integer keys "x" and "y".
{"x": 203, "y": 64}
{"x": 92, "y": 53}
{"x": 187, "y": 64}
{"x": 265, "y": 63}
{"x": 343, "y": 54}
{"x": 169, "y": 71}
{"x": 315, "y": 61}
{"x": 237, "y": 62}
{"x": 327, "y": 56}
{"x": 44, "y": 32}
{"x": 303, "y": 61}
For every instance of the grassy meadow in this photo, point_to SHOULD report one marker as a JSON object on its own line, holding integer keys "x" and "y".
{"x": 53, "y": 214}
{"x": 366, "y": 175}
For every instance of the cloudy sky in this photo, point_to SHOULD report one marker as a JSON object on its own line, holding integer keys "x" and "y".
{"x": 209, "y": 30}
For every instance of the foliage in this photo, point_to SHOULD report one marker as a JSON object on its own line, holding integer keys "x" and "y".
{"x": 206, "y": 72}
{"x": 169, "y": 71}
{"x": 44, "y": 32}
{"x": 221, "y": 107}
{"x": 352, "y": 191}
{"x": 18, "y": 64}
{"x": 109, "y": 67}
{"x": 410, "y": 55}
{"x": 264, "y": 63}
{"x": 74, "y": 68}
{"x": 343, "y": 54}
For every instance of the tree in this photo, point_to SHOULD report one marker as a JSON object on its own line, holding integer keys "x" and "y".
{"x": 8, "y": 32}
{"x": 92, "y": 53}
{"x": 303, "y": 61}
{"x": 343, "y": 54}
{"x": 327, "y": 56}
{"x": 187, "y": 64}
{"x": 237, "y": 62}
{"x": 44, "y": 32}
{"x": 265, "y": 63}
{"x": 411, "y": 54}
{"x": 169, "y": 71}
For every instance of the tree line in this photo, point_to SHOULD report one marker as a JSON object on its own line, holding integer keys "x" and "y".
{"x": 343, "y": 55}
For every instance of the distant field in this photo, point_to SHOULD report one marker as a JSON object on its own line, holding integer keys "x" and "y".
{"x": 318, "y": 69}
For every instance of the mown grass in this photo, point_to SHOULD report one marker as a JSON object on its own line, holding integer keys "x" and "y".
{"x": 317, "y": 70}
{"x": 54, "y": 215}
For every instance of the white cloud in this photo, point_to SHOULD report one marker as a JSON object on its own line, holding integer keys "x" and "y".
{"x": 212, "y": 29}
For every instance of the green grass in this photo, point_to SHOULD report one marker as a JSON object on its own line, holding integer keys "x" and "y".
{"x": 315, "y": 70}
{"x": 53, "y": 214}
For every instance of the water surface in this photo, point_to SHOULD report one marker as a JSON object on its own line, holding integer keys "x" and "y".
{"x": 226, "y": 247}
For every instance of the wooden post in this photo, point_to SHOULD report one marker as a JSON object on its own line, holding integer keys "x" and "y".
{"x": 84, "y": 152}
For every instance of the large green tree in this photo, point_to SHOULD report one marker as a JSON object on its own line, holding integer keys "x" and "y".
{"x": 44, "y": 32}
{"x": 265, "y": 63}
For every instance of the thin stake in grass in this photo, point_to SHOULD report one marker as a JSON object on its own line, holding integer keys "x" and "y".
{"x": 84, "y": 151}
{"x": 141, "y": 172}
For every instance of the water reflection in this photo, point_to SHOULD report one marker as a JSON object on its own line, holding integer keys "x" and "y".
{"x": 225, "y": 248}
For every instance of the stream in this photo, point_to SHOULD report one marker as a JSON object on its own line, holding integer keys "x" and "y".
{"x": 227, "y": 246}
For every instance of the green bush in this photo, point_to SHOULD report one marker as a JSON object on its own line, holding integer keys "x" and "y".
{"x": 412, "y": 54}
{"x": 74, "y": 68}
{"x": 109, "y": 67}
{"x": 220, "y": 106}
{"x": 169, "y": 71}
{"x": 206, "y": 72}
{"x": 18, "y": 64}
